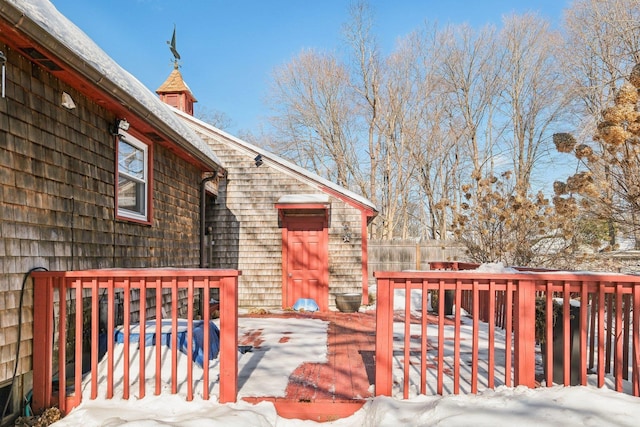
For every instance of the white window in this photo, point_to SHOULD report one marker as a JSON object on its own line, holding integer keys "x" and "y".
{"x": 133, "y": 178}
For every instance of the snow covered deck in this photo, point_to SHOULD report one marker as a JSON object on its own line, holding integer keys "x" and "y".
{"x": 324, "y": 366}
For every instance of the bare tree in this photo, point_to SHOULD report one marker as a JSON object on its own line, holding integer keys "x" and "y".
{"x": 420, "y": 131}
{"x": 471, "y": 67}
{"x": 400, "y": 131}
{"x": 365, "y": 69}
{"x": 214, "y": 117}
{"x": 431, "y": 150}
{"x": 533, "y": 96}
{"x": 366, "y": 76}
{"x": 315, "y": 118}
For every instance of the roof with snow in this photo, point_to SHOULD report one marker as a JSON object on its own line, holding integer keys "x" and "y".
{"x": 44, "y": 24}
{"x": 282, "y": 164}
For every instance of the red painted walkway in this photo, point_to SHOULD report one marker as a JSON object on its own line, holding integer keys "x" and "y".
{"x": 336, "y": 389}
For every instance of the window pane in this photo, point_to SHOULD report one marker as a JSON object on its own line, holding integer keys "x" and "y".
{"x": 130, "y": 160}
{"x": 131, "y": 195}
{"x": 133, "y": 182}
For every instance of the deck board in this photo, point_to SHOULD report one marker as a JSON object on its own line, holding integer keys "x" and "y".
{"x": 339, "y": 387}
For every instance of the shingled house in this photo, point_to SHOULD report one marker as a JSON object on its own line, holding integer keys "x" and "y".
{"x": 78, "y": 188}
{"x": 292, "y": 233}
{"x": 98, "y": 172}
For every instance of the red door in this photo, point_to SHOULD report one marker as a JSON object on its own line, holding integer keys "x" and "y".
{"x": 306, "y": 260}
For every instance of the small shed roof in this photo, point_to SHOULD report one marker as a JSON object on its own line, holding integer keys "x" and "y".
{"x": 284, "y": 165}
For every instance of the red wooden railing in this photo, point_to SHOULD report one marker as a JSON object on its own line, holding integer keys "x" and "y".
{"x": 608, "y": 326}
{"x": 56, "y": 293}
{"x": 616, "y": 303}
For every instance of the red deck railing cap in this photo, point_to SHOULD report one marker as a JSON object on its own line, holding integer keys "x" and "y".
{"x": 578, "y": 276}
{"x": 142, "y": 272}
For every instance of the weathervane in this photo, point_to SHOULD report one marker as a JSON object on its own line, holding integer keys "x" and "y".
{"x": 172, "y": 47}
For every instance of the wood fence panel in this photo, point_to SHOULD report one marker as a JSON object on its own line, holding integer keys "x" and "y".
{"x": 403, "y": 255}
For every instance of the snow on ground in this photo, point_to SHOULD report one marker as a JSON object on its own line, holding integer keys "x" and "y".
{"x": 466, "y": 357}
{"x": 265, "y": 372}
{"x": 555, "y": 406}
{"x": 288, "y": 343}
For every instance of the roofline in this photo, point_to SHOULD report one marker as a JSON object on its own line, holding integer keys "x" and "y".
{"x": 323, "y": 184}
{"x": 20, "y": 22}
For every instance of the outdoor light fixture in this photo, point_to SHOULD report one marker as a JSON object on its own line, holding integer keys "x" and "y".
{"x": 67, "y": 101}
{"x": 258, "y": 160}
{"x": 118, "y": 125}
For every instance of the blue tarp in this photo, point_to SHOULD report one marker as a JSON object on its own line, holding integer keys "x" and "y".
{"x": 198, "y": 337}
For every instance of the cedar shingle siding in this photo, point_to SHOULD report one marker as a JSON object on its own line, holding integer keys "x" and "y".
{"x": 57, "y": 172}
{"x": 247, "y": 236}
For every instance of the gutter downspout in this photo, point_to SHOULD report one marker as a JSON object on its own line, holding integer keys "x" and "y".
{"x": 203, "y": 210}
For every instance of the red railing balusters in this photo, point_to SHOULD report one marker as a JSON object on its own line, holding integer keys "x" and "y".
{"x": 110, "y": 333}
{"x": 566, "y": 333}
{"x": 74, "y": 289}
{"x": 423, "y": 338}
{"x": 174, "y": 336}
{"x": 205, "y": 356}
{"x": 62, "y": 348}
{"x": 142, "y": 337}
{"x": 617, "y": 364}
{"x": 626, "y": 301}
{"x": 606, "y": 323}
{"x": 491, "y": 314}
{"x": 475, "y": 340}
{"x": 407, "y": 337}
{"x": 636, "y": 342}
{"x": 456, "y": 337}
{"x": 95, "y": 336}
{"x": 601, "y": 336}
{"x": 584, "y": 310}
{"x": 158, "y": 333}
{"x": 126, "y": 298}
{"x": 441, "y": 308}
{"x": 190, "y": 341}
{"x": 508, "y": 328}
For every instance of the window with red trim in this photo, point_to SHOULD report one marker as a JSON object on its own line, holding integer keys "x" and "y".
{"x": 133, "y": 184}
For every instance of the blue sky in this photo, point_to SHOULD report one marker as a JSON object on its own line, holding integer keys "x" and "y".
{"x": 230, "y": 47}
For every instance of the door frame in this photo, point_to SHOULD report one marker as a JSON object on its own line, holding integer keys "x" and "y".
{"x": 286, "y": 211}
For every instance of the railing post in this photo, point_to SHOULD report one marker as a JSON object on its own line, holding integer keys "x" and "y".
{"x": 228, "y": 339}
{"x": 524, "y": 334}
{"x": 635, "y": 371}
{"x": 42, "y": 341}
{"x": 384, "y": 336}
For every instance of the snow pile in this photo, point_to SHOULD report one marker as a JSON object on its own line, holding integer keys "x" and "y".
{"x": 555, "y": 406}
